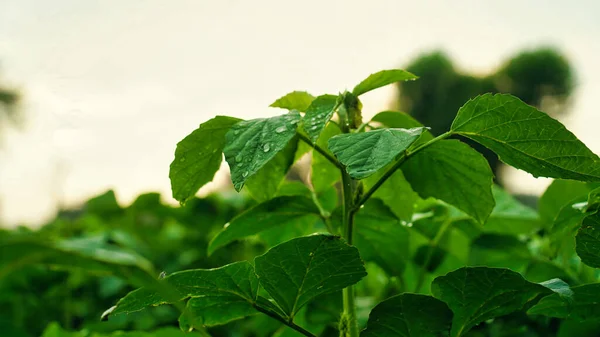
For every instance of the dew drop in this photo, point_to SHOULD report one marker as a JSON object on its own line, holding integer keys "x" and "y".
{"x": 281, "y": 129}
{"x": 236, "y": 132}
{"x": 239, "y": 158}
{"x": 314, "y": 127}
{"x": 295, "y": 121}
{"x": 182, "y": 159}
{"x": 245, "y": 174}
{"x": 266, "y": 147}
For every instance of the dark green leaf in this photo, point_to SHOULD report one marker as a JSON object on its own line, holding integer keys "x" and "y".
{"x": 510, "y": 216}
{"x": 495, "y": 250}
{"x": 211, "y": 310}
{"x": 365, "y": 153}
{"x": 476, "y": 294}
{"x": 593, "y": 203}
{"x": 230, "y": 291}
{"x": 381, "y": 79}
{"x": 429, "y": 257}
{"x": 395, "y": 192}
{"x": 381, "y": 238}
{"x": 295, "y": 100}
{"x": 452, "y": 171}
{"x": 198, "y": 157}
{"x": 588, "y": 241}
{"x": 323, "y": 172}
{"x": 318, "y": 114}
{"x": 265, "y": 183}
{"x": 251, "y": 144}
{"x": 280, "y": 211}
{"x": 526, "y": 138}
{"x": 582, "y": 305}
{"x": 409, "y": 315}
{"x": 299, "y": 270}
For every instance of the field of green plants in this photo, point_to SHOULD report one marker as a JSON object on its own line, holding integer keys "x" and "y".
{"x": 395, "y": 231}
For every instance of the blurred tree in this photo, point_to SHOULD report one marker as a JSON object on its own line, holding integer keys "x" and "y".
{"x": 542, "y": 77}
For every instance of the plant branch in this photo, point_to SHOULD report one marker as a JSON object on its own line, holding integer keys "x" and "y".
{"x": 349, "y": 326}
{"x": 396, "y": 166}
{"x": 289, "y": 323}
{"x": 433, "y": 245}
{"x": 322, "y": 151}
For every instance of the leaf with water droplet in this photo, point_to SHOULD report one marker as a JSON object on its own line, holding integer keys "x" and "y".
{"x": 319, "y": 113}
{"x": 281, "y": 129}
{"x": 295, "y": 100}
{"x": 198, "y": 157}
{"x": 247, "y": 143}
{"x": 382, "y": 78}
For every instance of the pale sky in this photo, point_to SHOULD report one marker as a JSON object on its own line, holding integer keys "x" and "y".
{"x": 111, "y": 86}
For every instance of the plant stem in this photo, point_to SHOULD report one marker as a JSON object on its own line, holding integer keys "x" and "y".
{"x": 349, "y": 328}
{"x": 322, "y": 151}
{"x": 434, "y": 243}
{"x": 396, "y": 166}
{"x": 289, "y": 323}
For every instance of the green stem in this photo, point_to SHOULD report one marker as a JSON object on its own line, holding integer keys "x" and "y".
{"x": 289, "y": 323}
{"x": 396, "y": 166}
{"x": 322, "y": 151}
{"x": 349, "y": 326}
{"x": 434, "y": 243}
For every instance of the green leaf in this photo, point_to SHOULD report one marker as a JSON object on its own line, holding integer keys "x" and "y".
{"x": 54, "y": 330}
{"x": 299, "y": 270}
{"x": 380, "y": 237}
{"x": 295, "y": 100}
{"x": 580, "y": 305}
{"x": 323, "y": 172}
{"x": 90, "y": 255}
{"x": 402, "y": 120}
{"x": 588, "y": 241}
{"x": 395, "y": 192}
{"x": 409, "y": 315}
{"x": 265, "y": 183}
{"x": 526, "y": 138}
{"x": 495, "y": 250}
{"x": 381, "y": 79}
{"x": 559, "y": 193}
{"x": 215, "y": 310}
{"x": 198, "y": 157}
{"x": 593, "y": 203}
{"x": 251, "y": 144}
{"x": 452, "y": 171}
{"x": 318, "y": 114}
{"x": 280, "y": 211}
{"x": 510, "y": 216}
{"x": 365, "y": 153}
{"x": 476, "y": 294}
{"x": 230, "y": 291}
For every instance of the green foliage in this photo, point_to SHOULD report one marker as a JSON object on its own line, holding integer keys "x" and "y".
{"x": 395, "y": 233}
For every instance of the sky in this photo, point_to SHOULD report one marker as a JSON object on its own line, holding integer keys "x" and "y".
{"x": 110, "y": 86}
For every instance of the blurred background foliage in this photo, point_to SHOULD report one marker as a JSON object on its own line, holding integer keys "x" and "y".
{"x": 541, "y": 77}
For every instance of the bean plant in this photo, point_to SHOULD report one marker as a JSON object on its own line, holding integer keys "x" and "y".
{"x": 386, "y": 196}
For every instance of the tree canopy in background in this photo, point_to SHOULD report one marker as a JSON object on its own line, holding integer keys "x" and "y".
{"x": 542, "y": 78}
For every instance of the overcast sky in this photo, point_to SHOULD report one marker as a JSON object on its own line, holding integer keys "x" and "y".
{"x": 112, "y": 85}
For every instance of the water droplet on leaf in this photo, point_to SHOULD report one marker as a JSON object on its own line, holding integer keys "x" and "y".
{"x": 239, "y": 158}
{"x": 245, "y": 174}
{"x": 281, "y": 129}
{"x": 314, "y": 127}
{"x": 266, "y": 147}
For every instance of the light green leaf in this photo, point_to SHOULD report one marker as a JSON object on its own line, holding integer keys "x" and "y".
{"x": 381, "y": 79}
{"x": 198, "y": 157}
{"x": 280, "y": 211}
{"x": 510, "y": 216}
{"x": 495, "y": 250}
{"x": 558, "y": 194}
{"x": 395, "y": 192}
{"x": 476, "y": 294}
{"x": 409, "y": 315}
{"x": 323, "y": 172}
{"x": 588, "y": 241}
{"x": 402, "y": 120}
{"x": 452, "y": 171}
{"x": 231, "y": 291}
{"x": 251, "y": 144}
{"x": 580, "y": 305}
{"x": 295, "y": 100}
{"x": 526, "y": 138}
{"x": 381, "y": 238}
{"x": 318, "y": 114}
{"x": 299, "y": 270}
{"x": 593, "y": 203}
{"x": 54, "y": 330}
{"x": 365, "y": 153}
{"x": 265, "y": 183}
